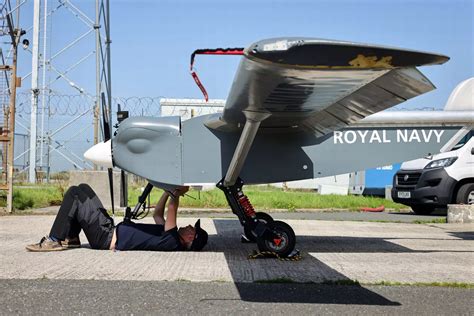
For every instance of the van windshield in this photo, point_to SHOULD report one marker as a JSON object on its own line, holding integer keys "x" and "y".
{"x": 463, "y": 140}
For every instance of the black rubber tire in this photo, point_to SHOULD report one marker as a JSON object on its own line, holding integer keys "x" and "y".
{"x": 288, "y": 241}
{"x": 422, "y": 209}
{"x": 463, "y": 194}
{"x": 261, "y": 216}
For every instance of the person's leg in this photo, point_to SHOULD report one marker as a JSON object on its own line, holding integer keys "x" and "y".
{"x": 97, "y": 225}
{"x": 91, "y": 194}
{"x": 65, "y": 225}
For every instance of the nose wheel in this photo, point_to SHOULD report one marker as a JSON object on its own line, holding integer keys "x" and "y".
{"x": 280, "y": 239}
{"x": 261, "y": 217}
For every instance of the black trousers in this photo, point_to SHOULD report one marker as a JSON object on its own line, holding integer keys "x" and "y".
{"x": 81, "y": 209}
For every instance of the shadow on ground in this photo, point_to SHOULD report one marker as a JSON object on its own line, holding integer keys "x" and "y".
{"x": 310, "y": 294}
{"x": 277, "y": 281}
{"x": 469, "y": 235}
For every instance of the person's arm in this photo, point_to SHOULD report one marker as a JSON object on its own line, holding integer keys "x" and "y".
{"x": 158, "y": 215}
{"x": 173, "y": 205}
{"x": 172, "y": 214}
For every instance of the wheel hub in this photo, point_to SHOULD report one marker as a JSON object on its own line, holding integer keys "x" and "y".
{"x": 278, "y": 243}
{"x": 470, "y": 198}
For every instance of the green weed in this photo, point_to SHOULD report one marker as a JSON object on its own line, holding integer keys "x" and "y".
{"x": 432, "y": 221}
{"x": 440, "y": 284}
{"x": 341, "y": 282}
{"x": 276, "y": 280}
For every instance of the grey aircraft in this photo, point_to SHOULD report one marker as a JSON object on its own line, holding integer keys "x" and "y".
{"x": 299, "y": 108}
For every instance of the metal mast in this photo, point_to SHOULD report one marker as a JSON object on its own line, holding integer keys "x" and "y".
{"x": 97, "y": 73}
{"x": 11, "y": 83}
{"x": 34, "y": 91}
{"x": 44, "y": 92}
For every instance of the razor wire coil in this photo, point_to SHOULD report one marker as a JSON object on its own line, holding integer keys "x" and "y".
{"x": 71, "y": 105}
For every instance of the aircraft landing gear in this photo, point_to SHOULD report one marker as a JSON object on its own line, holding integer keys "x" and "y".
{"x": 282, "y": 242}
{"x": 263, "y": 217}
{"x": 274, "y": 236}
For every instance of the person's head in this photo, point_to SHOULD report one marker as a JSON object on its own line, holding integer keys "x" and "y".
{"x": 193, "y": 238}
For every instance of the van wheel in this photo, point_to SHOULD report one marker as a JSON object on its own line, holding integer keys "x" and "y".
{"x": 465, "y": 194}
{"x": 422, "y": 209}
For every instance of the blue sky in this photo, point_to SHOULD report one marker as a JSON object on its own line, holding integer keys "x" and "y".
{"x": 153, "y": 40}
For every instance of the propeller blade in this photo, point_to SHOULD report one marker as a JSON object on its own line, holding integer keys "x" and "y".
{"x": 124, "y": 188}
{"x": 111, "y": 185}
{"x": 122, "y": 173}
{"x": 106, "y": 119}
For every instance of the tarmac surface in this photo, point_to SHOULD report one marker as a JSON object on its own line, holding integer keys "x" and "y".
{"x": 368, "y": 252}
{"x": 221, "y": 279}
{"x": 66, "y": 297}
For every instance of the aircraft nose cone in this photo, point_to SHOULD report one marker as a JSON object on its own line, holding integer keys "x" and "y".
{"x": 100, "y": 154}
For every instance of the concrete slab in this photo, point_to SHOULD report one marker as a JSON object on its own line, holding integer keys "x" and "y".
{"x": 333, "y": 250}
{"x": 460, "y": 213}
{"x": 99, "y": 182}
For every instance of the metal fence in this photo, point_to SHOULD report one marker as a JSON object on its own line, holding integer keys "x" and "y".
{"x": 65, "y": 128}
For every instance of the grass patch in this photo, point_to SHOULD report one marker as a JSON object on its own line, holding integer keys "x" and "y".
{"x": 276, "y": 280}
{"x": 33, "y": 197}
{"x": 440, "y": 284}
{"x": 381, "y": 283}
{"x": 432, "y": 221}
{"x": 262, "y": 198}
{"x": 267, "y": 197}
{"x": 341, "y": 282}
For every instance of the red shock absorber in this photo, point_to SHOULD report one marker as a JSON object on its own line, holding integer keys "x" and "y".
{"x": 246, "y": 205}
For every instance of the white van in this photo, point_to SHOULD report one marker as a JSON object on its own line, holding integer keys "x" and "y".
{"x": 446, "y": 178}
{"x": 436, "y": 181}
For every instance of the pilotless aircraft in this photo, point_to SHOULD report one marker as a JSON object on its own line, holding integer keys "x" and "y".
{"x": 298, "y": 108}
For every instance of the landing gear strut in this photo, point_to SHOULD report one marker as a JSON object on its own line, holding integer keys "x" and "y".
{"x": 138, "y": 211}
{"x": 273, "y": 236}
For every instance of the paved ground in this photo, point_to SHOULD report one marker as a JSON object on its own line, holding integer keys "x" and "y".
{"x": 66, "y": 297}
{"x": 368, "y": 252}
{"x": 329, "y": 215}
{"x": 85, "y": 281}
{"x": 405, "y": 216}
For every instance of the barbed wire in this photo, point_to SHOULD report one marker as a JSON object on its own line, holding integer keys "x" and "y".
{"x": 138, "y": 106}
{"x": 71, "y": 105}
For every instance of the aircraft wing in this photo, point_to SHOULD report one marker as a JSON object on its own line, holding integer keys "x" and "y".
{"x": 319, "y": 86}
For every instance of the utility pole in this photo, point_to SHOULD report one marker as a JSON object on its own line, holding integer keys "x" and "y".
{"x": 15, "y": 34}
{"x": 34, "y": 91}
{"x": 97, "y": 74}
{"x": 14, "y": 82}
{"x": 43, "y": 86}
{"x": 108, "y": 41}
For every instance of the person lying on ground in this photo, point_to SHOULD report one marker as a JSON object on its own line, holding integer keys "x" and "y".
{"x": 81, "y": 209}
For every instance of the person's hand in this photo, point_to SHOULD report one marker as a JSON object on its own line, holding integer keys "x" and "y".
{"x": 180, "y": 191}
